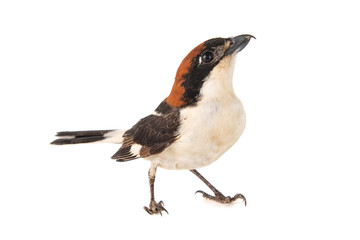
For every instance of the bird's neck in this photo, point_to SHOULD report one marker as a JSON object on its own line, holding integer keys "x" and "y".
{"x": 218, "y": 85}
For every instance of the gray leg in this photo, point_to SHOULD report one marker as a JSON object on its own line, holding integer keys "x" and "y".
{"x": 219, "y": 197}
{"x": 154, "y": 207}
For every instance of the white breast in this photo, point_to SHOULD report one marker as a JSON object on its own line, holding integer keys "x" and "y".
{"x": 210, "y": 128}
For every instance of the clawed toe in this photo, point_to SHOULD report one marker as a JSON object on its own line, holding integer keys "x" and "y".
{"x": 239, "y": 195}
{"x": 219, "y": 197}
{"x": 155, "y": 208}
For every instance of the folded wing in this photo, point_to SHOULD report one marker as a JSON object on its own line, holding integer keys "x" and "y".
{"x": 151, "y": 135}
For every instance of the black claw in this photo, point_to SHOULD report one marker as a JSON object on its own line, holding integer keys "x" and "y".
{"x": 239, "y": 195}
{"x": 205, "y": 195}
{"x": 161, "y": 208}
{"x": 148, "y": 210}
{"x": 156, "y": 208}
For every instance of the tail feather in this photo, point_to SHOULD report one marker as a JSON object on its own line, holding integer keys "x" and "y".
{"x": 82, "y": 133}
{"x": 76, "y": 137}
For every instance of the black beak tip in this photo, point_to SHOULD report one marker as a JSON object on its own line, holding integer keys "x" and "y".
{"x": 239, "y": 43}
{"x": 248, "y": 36}
{"x": 243, "y": 37}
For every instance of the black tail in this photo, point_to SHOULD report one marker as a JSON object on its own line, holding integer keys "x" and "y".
{"x": 80, "y": 137}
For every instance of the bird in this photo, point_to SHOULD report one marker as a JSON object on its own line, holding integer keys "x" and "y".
{"x": 192, "y": 127}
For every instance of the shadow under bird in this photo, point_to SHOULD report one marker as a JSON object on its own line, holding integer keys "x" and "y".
{"x": 199, "y": 121}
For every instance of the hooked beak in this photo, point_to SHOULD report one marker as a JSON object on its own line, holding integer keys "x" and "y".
{"x": 239, "y": 43}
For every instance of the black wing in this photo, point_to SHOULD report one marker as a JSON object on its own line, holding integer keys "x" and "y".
{"x": 151, "y": 135}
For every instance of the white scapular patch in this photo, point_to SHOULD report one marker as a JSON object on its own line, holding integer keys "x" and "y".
{"x": 156, "y": 113}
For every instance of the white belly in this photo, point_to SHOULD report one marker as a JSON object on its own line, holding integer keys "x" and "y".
{"x": 207, "y": 131}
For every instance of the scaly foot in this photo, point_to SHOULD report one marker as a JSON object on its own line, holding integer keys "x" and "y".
{"x": 155, "y": 208}
{"x": 219, "y": 197}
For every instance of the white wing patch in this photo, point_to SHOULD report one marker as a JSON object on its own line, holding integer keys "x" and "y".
{"x": 135, "y": 149}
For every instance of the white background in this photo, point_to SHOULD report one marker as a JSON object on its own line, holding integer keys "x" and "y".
{"x": 81, "y": 65}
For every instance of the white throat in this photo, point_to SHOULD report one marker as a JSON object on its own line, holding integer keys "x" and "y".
{"x": 219, "y": 85}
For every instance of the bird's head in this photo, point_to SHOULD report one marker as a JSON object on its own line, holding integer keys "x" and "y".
{"x": 213, "y": 59}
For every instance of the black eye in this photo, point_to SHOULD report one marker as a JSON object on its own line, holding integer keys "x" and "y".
{"x": 207, "y": 57}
